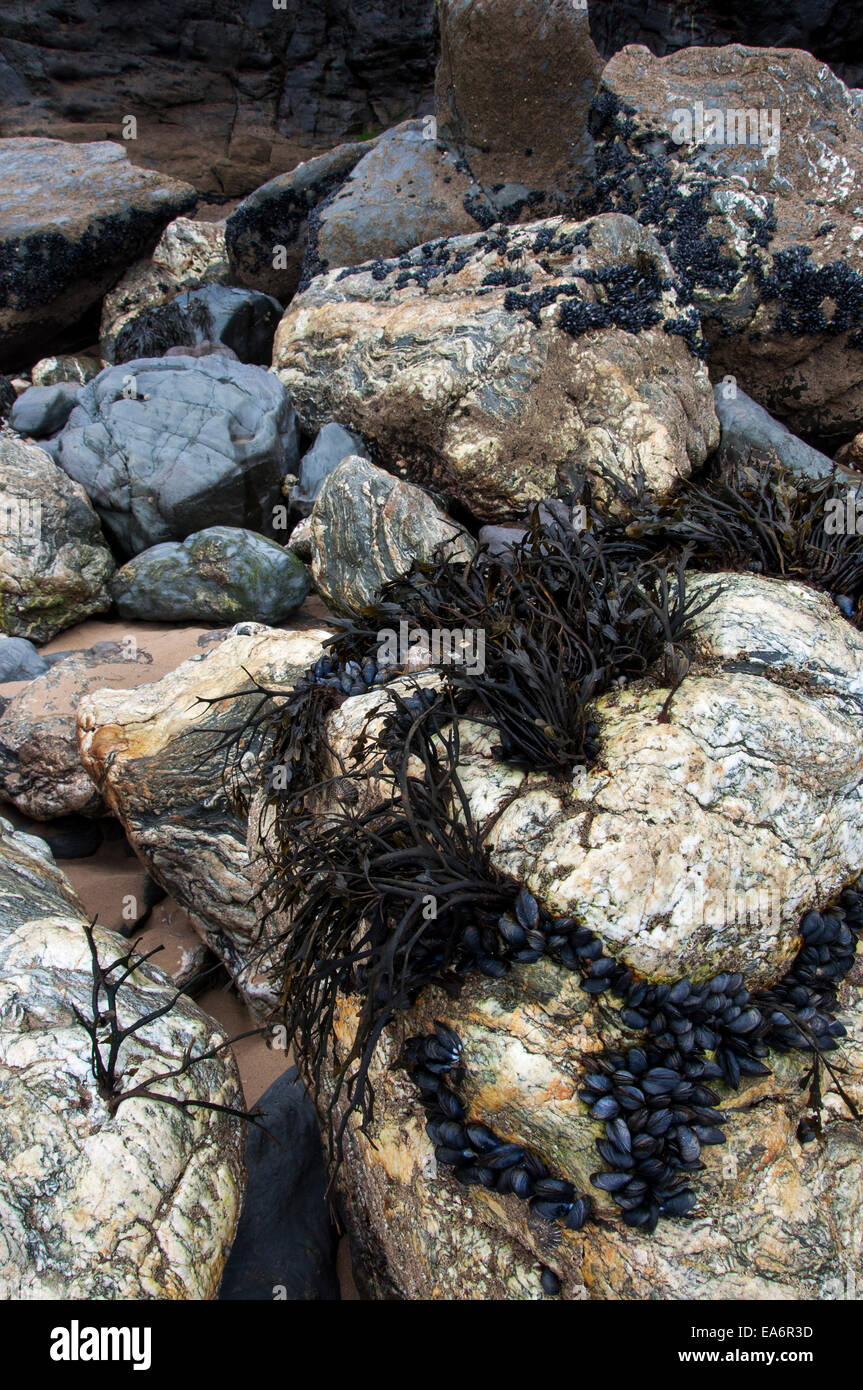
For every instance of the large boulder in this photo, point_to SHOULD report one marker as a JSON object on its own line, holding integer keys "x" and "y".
{"x": 129, "y": 1201}
{"x": 747, "y": 429}
{"x": 74, "y": 217}
{"x": 158, "y": 756}
{"x": 168, "y": 446}
{"x": 54, "y": 563}
{"x": 692, "y": 846}
{"x": 332, "y": 445}
{"x": 490, "y": 366}
{"x": 42, "y": 411}
{"x": 746, "y": 163}
{"x": 19, "y": 660}
{"x": 369, "y": 528}
{"x": 241, "y": 320}
{"x": 223, "y": 575}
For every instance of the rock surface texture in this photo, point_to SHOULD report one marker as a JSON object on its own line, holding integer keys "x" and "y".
{"x": 137, "y": 1203}
{"x": 489, "y": 366}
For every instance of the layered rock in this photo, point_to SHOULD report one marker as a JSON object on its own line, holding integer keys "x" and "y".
{"x": 54, "y": 563}
{"x": 135, "y": 1203}
{"x": 746, "y": 162}
{"x": 489, "y": 366}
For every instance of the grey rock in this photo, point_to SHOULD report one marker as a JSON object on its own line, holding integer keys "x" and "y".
{"x": 332, "y": 445}
{"x": 501, "y": 540}
{"x": 20, "y": 660}
{"x": 74, "y": 216}
{"x": 43, "y": 410}
{"x": 169, "y": 446}
{"x": 747, "y": 427}
{"x": 221, "y": 575}
{"x": 241, "y": 319}
{"x": 285, "y": 1241}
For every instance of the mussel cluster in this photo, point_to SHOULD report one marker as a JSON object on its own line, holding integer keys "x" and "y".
{"x": 799, "y": 1010}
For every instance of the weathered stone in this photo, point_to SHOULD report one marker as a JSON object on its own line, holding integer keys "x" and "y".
{"x": 241, "y": 320}
{"x": 43, "y": 410}
{"x": 191, "y": 443}
{"x": 748, "y": 429}
{"x": 19, "y": 660}
{"x": 139, "y": 1203}
{"x": 369, "y": 528}
{"x": 54, "y": 564}
{"x": 78, "y": 368}
{"x": 490, "y": 366}
{"x": 851, "y": 454}
{"x": 222, "y": 575}
{"x": 748, "y": 167}
{"x": 156, "y": 755}
{"x": 74, "y": 216}
{"x": 514, "y": 87}
{"x": 300, "y": 540}
{"x": 332, "y": 445}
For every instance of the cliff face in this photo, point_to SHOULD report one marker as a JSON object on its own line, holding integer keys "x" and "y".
{"x": 224, "y": 94}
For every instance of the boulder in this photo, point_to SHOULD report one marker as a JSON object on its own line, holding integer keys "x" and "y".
{"x": 331, "y": 446}
{"x": 135, "y": 1202}
{"x": 169, "y": 446}
{"x": 42, "y": 411}
{"x": 54, "y": 563}
{"x": 157, "y": 754}
{"x": 748, "y": 428}
{"x": 285, "y": 1247}
{"x": 514, "y": 88}
{"x": 489, "y": 366}
{"x": 369, "y": 528}
{"x": 241, "y": 320}
{"x": 222, "y": 575}
{"x": 267, "y": 234}
{"x": 74, "y": 216}
{"x": 188, "y": 254}
{"x": 746, "y": 163}
{"x": 404, "y": 192}
{"x": 19, "y": 660}
{"x": 78, "y": 368}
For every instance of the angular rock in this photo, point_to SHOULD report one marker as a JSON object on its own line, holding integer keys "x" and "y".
{"x": 222, "y": 575}
{"x": 268, "y": 233}
{"x": 54, "y": 563}
{"x": 43, "y": 410}
{"x": 369, "y": 528}
{"x": 155, "y": 753}
{"x": 74, "y": 216}
{"x": 169, "y": 446}
{"x": 241, "y": 320}
{"x": 490, "y": 366}
{"x": 747, "y": 166}
{"x": 285, "y": 1241}
{"x": 748, "y": 428}
{"x": 514, "y": 87}
{"x": 404, "y": 192}
{"x": 332, "y": 445}
{"x": 19, "y": 660}
{"x": 139, "y": 1203}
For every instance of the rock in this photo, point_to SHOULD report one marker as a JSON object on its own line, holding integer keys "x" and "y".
{"x": 222, "y": 575}
{"x": 404, "y": 192}
{"x": 74, "y": 217}
{"x": 19, "y": 660}
{"x": 185, "y": 444}
{"x": 268, "y": 233}
{"x": 300, "y": 540}
{"x": 156, "y": 755}
{"x": 690, "y": 847}
{"x": 332, "y": 445}
{"x": 764, "y": 236}
{"x": 747, "y": 428}
{"x": 241, "y": 320}
{"x": 485, "y": 369}
{"x": 54, "y": 564}
{"x": 8, "y": 397}
{"x": 80, "y": 369}
{"x": 501, "y": 539}
{"x": 43, "y": 410}
{"x": 71, "y": 837}
{"x": 514, "y": 88}
{"x": 369, "y": 528}
{"x": 135, "y": 1204}
{"x": 851, "y": 454}
{"x": 41, "y": 773}
{"x": 188, "y": 254}
{"x": 285, "y": 1245}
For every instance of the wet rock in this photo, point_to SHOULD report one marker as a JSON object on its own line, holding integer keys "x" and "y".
{"x": 54, "y": 564}
{"x": 747, "y": 167}
{"x": 267, "y": 235}
{"x": 748, "y": 429}
{"x": 514, "y": 87}
{"x": 173, "y": 445}
{"x": 285, "y": 1245}
{"x": 74, "y": 217}
{"x": 369, "y": 528}
{"x": 332, "y": 445}
{"x": 43, "y": 410}
{"x": 404, "y": 192}
{"x": 139, "y": 1203}
{"x": 241, "y": 320}
{"x": 80, "y": 369}
{"x": 222, "y": 575}
{"x": 489, "y": 366}
{"x": 19, "y": 660}
{"x": 157, "y": 755}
